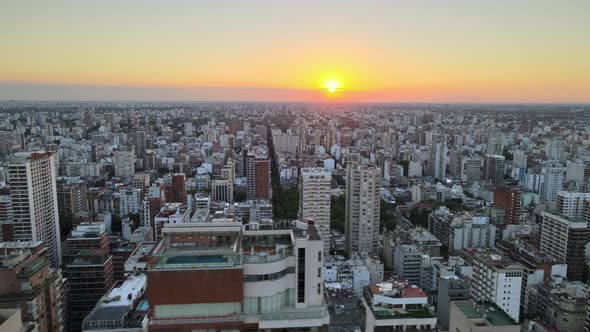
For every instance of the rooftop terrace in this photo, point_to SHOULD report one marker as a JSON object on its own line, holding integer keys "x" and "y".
{"x": 491, "y": 314}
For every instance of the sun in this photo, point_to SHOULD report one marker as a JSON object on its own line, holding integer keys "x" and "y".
{"x": 332, "y": 85}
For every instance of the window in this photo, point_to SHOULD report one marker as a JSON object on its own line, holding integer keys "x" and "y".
{"x": 301, "y": 275}
{"x": 319, "y": 256}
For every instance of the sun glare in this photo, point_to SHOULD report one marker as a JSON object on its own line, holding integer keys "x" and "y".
{"x": 332, "y": 85}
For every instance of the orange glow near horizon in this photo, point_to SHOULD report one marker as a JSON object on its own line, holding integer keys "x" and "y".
{"x": 381, "y": 51}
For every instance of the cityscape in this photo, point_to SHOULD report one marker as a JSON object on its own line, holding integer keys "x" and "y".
{"x": 332, "y": 167}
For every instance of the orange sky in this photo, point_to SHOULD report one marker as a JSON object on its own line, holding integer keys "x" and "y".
{"x": 457, "y": 50}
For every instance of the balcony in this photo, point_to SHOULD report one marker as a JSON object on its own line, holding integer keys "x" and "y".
{"x": 266, "y": 256}
{"x": 292, "y": 313}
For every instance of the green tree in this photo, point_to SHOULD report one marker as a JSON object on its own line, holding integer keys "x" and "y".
{"x": 419, "y": 217}
{"x": 387, "y": 219}
{"x": 338, "y": 213}
{"x": 116, "y": 225}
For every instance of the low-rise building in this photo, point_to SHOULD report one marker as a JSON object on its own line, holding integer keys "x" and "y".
{"x": 397, "y": 305}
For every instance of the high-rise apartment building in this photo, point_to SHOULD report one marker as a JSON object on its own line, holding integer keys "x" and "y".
{"x": 314, "y": 200}
{"x": 6, "y": 217}
{"x": 30, "y": 284}
{"x": 437, "y": 160}
{"x": 124, "y": 162}
{"x": 129, "y": 202}
{"x": 471, "y": 170}
{"x": 71, "y": 199}
{"x": 175, "y": 188}
{"x": 34, "y": 201}
{"x": 566, "y": 240}
{"x": 552, "y": 179}
{"x": 497, "y": 279}
{"x": 510, "y": 200}
{"x": 258, "y": 174}
{"x": 493, "y": 168}
{"x": 362, "y": 208}
{"x": 571, "y": 204}
{"x": 88, "y": 266}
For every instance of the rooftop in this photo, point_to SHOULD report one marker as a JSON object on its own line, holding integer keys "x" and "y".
{"x": 491, "y": 313}
{"x": 127, "y": 292}
{"x": 20, "y": 244}
{"x": 399, "y": 289}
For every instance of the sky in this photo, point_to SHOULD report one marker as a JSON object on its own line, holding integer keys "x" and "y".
{"x": 258, "y": 50}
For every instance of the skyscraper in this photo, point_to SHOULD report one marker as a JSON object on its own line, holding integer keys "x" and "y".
{"x": 362, "y": 208}
{"x": 565, "y": 239}
{"x": 314, "y": 200}
{"x": 552, "y": 182}
{"x": 471, "y": 170}
{"x": 494, "y": 276}
{"x": 258, "y": 174}
{"x": 437, "y": 160}
{"x": 493, "y": 168}
{"x": 510, "y": 200}
{"x": 124, "y": 162}
{"x": 34, "y": 201}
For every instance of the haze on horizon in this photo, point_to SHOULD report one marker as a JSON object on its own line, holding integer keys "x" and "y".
{"x": 379, "y": 51}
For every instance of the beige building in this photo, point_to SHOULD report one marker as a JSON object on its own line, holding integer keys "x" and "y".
{"x": 314, "y": 200}
{"x": 362, "y": 208}
{"x": 10, "y": 320}
{"x": 33, "y": 191}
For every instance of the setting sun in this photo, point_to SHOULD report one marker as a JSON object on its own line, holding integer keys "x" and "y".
{"x": 332, "y": 85}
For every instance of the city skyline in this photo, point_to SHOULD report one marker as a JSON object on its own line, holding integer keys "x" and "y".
{"x": 455, "y": 51}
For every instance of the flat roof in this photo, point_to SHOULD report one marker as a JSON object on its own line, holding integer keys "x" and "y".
{"x": 133, "y": 287}
{"x": 493, "y": 314}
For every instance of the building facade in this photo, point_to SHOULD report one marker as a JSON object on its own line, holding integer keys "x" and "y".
{"x": 362, "y": 208}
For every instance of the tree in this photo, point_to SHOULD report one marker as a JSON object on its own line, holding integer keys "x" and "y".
{"x": 419, "y": 217}
{"x": 387, "y": 219}
{"x": 116, "y": 224}
{"x": 239, "y": 195}
{"x": 65, "y": 224}
{"x": 338, "y": 213}
{"x": 135, "y": 219}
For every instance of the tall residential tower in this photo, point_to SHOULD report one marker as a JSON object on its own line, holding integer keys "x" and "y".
{"x": 314, "y": 200}
{"x": 362, "y": 208}
{"x": 34, "y": 201}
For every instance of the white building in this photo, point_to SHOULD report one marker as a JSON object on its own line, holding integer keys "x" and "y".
{"x": 33, "y": 192}
{"x": 497, "y": 279}
{"x": 362, "y": 208}
{"x": 415, "y": 169}
{"x": 129, "y": 202}
{"x": 314, "y": 200}
{"x": 571, "y": 204}
{"x": 222, "y": 191}
{"x": 552, "y": 182}
{"x": 398, "y": 306}
{"x": 437, "y": 160}
{"x": 407, "y": 263}
{"x": 285, "y": 142}
{"x": 171, "y": 213}
{"x": 276, "y": 276}
{"x": 461, "y": 230}
{"x": 124, "y": 162}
